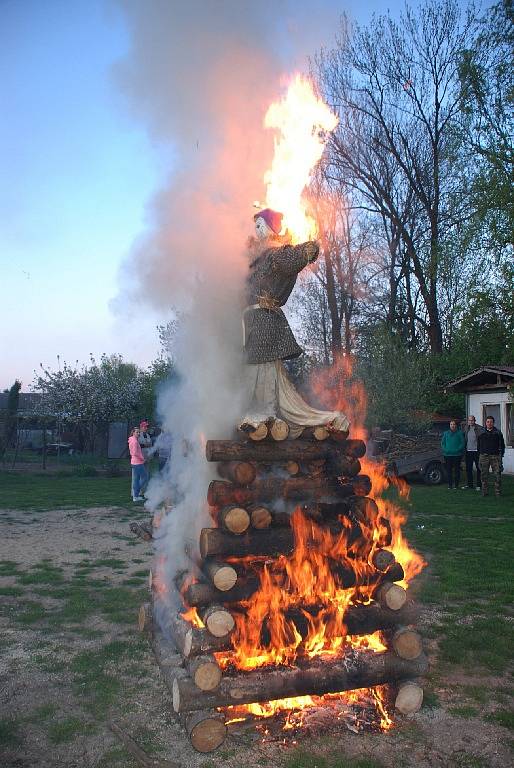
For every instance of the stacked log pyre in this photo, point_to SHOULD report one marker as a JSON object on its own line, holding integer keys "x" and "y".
{"x": 265, "y": 484}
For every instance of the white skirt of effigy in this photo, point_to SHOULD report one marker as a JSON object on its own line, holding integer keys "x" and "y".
{"x": 272, "y": 395}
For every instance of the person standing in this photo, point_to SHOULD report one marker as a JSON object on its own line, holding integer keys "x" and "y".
{"x": 453, "y": 445}
{"x": 145, "y": 439}
{"x": 163, "y": 446}
{"x": 472, "y": 431}
{"x": 491, "y": 449}
{"x": 137, "y": 462}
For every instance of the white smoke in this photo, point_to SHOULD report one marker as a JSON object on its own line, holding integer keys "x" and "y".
{"x": 201, "y": 75}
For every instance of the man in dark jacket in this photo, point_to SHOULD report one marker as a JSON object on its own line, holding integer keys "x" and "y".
{"x": 472, "y": 431}
{"x": 491, "y": 448}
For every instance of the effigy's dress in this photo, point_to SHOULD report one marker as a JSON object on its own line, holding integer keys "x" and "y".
{"x": 268, "y": 339}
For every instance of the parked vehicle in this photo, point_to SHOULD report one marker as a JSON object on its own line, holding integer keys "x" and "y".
{"x": 429, "y": 465}
{"x": 410, "y": 456}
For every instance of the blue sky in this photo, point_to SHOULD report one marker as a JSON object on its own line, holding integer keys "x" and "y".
{"x": 76, "y": 174}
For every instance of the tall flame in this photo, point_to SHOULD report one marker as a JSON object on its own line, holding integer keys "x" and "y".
{"x": 302, "y": 122}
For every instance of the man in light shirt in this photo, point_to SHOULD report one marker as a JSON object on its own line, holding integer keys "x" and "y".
{"x": 471, "y": 432}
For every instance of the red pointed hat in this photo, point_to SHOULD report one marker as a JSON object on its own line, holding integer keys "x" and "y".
{"x": 272, "y": 218}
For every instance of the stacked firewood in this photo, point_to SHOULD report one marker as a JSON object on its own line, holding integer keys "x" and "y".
{"x": 263, "y": 482}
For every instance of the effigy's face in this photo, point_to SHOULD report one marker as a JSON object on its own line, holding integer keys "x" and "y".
{"x": 261, "y": 228}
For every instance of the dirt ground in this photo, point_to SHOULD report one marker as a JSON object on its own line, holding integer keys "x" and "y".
{"x": 55, "y": 703}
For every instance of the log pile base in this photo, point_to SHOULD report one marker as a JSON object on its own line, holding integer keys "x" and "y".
{"x": 265, "y": 479}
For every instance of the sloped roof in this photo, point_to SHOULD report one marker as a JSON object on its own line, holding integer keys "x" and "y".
{"x": 486, "y": 377}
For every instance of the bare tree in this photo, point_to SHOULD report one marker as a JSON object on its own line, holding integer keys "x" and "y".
{"x": 396, "y": 86}
{"x": 330, "y": 300}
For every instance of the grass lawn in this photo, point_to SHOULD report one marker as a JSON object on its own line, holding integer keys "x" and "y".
{"x": 22, "y": 490}
{"x": 75, "y": 614}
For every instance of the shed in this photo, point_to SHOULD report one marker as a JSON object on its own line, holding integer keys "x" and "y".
{"x": 488, "y": 393}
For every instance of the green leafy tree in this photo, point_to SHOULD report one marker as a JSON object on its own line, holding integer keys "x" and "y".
{"x": 487, "y": 103}
{"x": 8, "y": 432}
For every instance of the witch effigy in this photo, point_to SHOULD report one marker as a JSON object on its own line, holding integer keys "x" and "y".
{"x": 267, "y": 337}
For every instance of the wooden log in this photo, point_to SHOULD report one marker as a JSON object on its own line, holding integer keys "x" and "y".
{"x": 278, "y": 430}
{"x": 238, "y": 472}
{"x": 214, "y": 542}
{"x": 234, "y": 519}
{"x": 358, "y": 670}
{"x": 407, "y": 643}
{"x": 206, "y": 730}
{"x": 342, "y": 465}
{"x": 141, "y": 757}
{"x": 222, "y": 575}
{"x": 292, "y": 467}
{"x": 392, "y": 596}
{"x": 314, "y": 468}
{"x": 217, "y": 619}
{"x": 145, "y": 618}
{"x": 359, "y": 620}
{"x": 260, "y": 517}
{"x": 409, "y": 697}
{"x": 194, "y": 641}
{"x": 223, "y": 494}
{"x": 256, "y": 434}
{"x": 142, "y": 530}
{"x": 205, "y": 672}
{"x": 202, "y": 593}
{"x": 366, "y": 619}
{"x": 298, "y": 450}
{"x": 382, "y": 559}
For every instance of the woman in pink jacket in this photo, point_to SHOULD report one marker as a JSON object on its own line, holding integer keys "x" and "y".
{"x": 137, "y": 461}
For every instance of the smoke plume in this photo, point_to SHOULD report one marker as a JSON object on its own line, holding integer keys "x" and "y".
{"x": 201, "y": 75}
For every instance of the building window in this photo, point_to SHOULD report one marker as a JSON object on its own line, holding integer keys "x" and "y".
{"x": 509, "y": 413}
{"x": 494, "y": 411}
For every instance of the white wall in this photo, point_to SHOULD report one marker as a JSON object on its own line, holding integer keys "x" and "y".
{"x": 475, "y": 407}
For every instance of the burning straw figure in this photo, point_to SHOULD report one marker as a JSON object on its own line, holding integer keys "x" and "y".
{"x": 268, "y": 339}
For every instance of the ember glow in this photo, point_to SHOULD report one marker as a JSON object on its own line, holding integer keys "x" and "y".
{"x": 301, "y": 121}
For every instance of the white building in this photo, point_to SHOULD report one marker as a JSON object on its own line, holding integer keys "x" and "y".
{"x": 487, "y": 394}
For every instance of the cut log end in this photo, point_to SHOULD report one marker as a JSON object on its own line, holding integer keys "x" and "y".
{"x": 382, "y": 559}
{"x": 223, "y": 576}
{"x": 409, "y": 698}
{"x": 391, "y": 596}
{"x": 205, "y": 672}
{"x": 407, "y": 644}
{"x": 260, "y": 518}
{"x": 320, "y": 433}
{"x": 259, "y": 433}
{"x": 206, "y": 730}
{"x": 279, "y": 430}
{"x": 218, "y": 620}
{"x": 234, "y": 519}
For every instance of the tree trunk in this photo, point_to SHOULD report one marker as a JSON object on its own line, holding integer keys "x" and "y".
{"x": 356, "y": 670}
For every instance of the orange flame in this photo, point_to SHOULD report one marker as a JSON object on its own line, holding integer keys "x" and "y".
{"x": 299, "y": 609}
{"x": 302, "y": 121}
